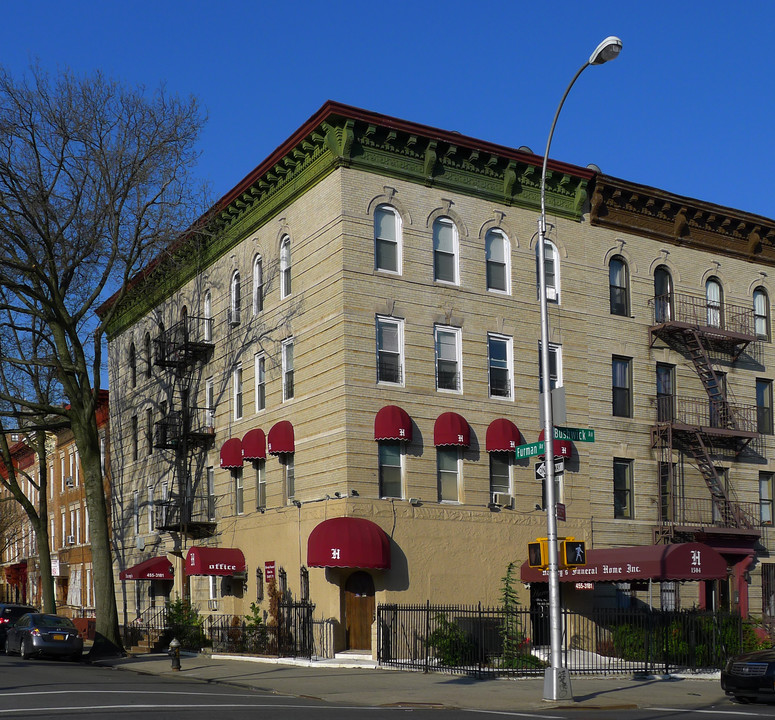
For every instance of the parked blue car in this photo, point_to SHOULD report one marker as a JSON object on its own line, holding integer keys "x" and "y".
{"x": 41, "y": 634}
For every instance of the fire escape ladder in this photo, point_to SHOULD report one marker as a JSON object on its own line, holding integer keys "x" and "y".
{"x": 721, "y": 411}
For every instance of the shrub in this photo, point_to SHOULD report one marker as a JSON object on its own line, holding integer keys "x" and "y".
{"x": 451, "y": 646}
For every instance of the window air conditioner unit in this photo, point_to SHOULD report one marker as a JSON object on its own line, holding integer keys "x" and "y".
{"x": 71, "y": 539}
{"x": 69, "y": 481}
{"x": 502, "y": 499}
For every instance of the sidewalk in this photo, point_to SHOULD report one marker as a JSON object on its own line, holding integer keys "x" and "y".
{"x": 357, "y": 683}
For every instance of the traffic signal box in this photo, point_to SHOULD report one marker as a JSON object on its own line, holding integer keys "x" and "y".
{"x": 571, "y": 553}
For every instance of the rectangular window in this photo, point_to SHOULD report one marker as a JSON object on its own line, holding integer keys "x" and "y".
{"x": 448, "y": 465}
{"x": 64, "y": 529}
{"x": 666, "y": 496}
{"x": 151, "y": 510}
{"x": 148, "y": 431}
{"x": 87, "y": 533}
{"x": 764, "y": 406}
{"x": 78, "y": 526}
{"x": 622, "y": 488}
{"x": 210, "y": 494}
{"x": 290, "y": 476}
{"x": 500, "y": 473}
{"x": 133, "y": 437}
{"x": 239, "y": 492}
{"x": 621, "y": 381}
{"x": 236, "y": 375}
{"x": 448, "y": 354}
{"x": 135, "y": 512}
{"x": 390, "y": 347}
{"x": 665, "y": 392}
{"x": 210, "y": 403}
{"x": 260, "y": 484}
{"x": 499, "y": 355}
{"x": 260, "y": 375}
{"x": 390, "y": 469}
{"x": 555, "y": 367}
{"x": 765, "y": 498}
{"x": 288, "y": 388}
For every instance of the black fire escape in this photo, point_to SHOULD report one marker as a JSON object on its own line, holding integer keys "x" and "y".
{"x": 185, "y": 430}
{"x": 703, "y": 429}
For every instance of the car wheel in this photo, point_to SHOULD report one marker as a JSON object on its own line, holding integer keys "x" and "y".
{"x": 25, "y": 649}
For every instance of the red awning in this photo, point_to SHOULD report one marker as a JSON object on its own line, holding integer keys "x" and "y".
{"x": 502, "y": 436}
{"x": 155, "y": 568}
{"x": 348, "y": 542}
{"x": 231, "y": 453}
{"x": 561, "y": 448}
{"x": 214, "y": 561}
{"x": 281, "y": 439}
{"x": 682, "y": 561}
{"x": 254, "y": 445}
{"x": 392, "y": 423}
{"x": 451, "y": 429}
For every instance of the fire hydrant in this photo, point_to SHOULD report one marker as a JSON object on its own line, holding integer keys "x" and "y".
{"x": 174, "y": 652}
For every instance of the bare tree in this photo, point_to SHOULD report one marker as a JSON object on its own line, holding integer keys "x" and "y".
{"x": 95, "y": 179}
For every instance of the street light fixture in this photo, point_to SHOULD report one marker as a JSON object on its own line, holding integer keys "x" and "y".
{"x": 556, "y": 678}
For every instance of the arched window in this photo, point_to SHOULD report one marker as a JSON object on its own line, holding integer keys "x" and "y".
{"x": 761, "y": 313}
{"x": 208, "y": 313}
{"x": 132, "y": 366}
{"x": 714, "y": 297}
{"x": 663, "y": 295}
{"x": 619, "y": 286}
{"x": 497, "y": 257}
{"x": 445, "y": 251}
{"x": 285, "y": 267}
{"x": 236, "y": 299}
{"x": 148, "y": 355}
{"x": 387, "y": 239}
{"x": 551, "y": 270}
{"x": 258, "y": 285}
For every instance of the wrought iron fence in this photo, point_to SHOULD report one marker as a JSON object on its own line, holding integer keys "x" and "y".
{"x": 474, "y": 640}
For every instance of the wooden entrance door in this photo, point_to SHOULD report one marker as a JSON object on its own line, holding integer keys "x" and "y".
{"x": 359, "y": 610}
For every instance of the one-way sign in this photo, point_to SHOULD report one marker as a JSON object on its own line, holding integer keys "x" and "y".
{"x": 559, "y": 466}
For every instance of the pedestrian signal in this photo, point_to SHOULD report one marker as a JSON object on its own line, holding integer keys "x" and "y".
{"x": 573, "y": 554}
{"x": 538, "y": 554}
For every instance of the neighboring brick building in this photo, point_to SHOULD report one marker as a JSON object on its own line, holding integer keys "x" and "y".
{"x": 328, "y": 383}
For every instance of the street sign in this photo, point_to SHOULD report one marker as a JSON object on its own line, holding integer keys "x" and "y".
{"x": 530, "y": 450}
{"x": 574, "y": 434}
{"x": 559, "y": 466}
{"x": 560, "y": 511}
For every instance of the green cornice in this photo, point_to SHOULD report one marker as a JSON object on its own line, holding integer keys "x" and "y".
{"x": 340, "y": 136}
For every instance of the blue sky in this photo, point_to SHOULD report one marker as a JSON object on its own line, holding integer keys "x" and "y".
{"x": 688, "y": 106}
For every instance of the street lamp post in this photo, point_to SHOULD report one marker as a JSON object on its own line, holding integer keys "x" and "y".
{"x": 556, "y": 679}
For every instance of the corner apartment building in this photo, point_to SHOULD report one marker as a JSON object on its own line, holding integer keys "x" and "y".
{"x": 68, "y": 523}
{"x": 328, "y": 384}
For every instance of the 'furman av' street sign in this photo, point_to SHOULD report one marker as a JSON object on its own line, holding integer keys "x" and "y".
{"x": 525, "y": 451}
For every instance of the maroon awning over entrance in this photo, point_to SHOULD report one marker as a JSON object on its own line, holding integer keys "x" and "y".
{"x": 502, "y": 436}
{"x": 682, "y": 561}
{"x": 254, "y": 445}
{"x": 392, "y": 423}
{"x": 281, "y": 439}
{"x": 231, "y": 453}
{"x": 155, "y": 568}
{"x": 350, "y": 543}
{"x": 451, "y": 429}
{"x": 214, "y": 561}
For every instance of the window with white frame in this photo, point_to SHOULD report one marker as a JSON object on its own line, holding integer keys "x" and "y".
{"x": 210, "y": 475}
{"x": 551, "y": 270}
{"x": 497, "y": 256}
{"x": 87, "y": 533}
{"x": 151, "y": 510}
{"x": 448, "y": 358}
{"x": 135, "y": 512}
{"x": 210, "y": 402}
{"x": 260, "y": 483}
{"x": 499, "y": 358}
{"x": 285, "y": 267}
{"x": 555, "y": 367}
{"x": 445, "y": 251}
{"x": 258, "y": 285}
{"x": 236, "y": 381}
{"x": 235, "y": 299}
{"x": 714, "y": 296}
{"x": 390, "y": 468}
{"x": 390, "y": 350}
{"x": 387, "y": 239}
{"x": 289, "y": 472}
{"x": 622, "y": 488}
{"x": 448, "y": 473}
{"x": 239, "y": 491}
{"x": 288, "y": 388}
{"x": 761, "y": 313}
{"x": 765, "y": 497}
{"x": 260, "y": 379}
{"x": 500, "y": 473}
{"x": 64, "y": 529}
{"x": 208, "y": 312}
